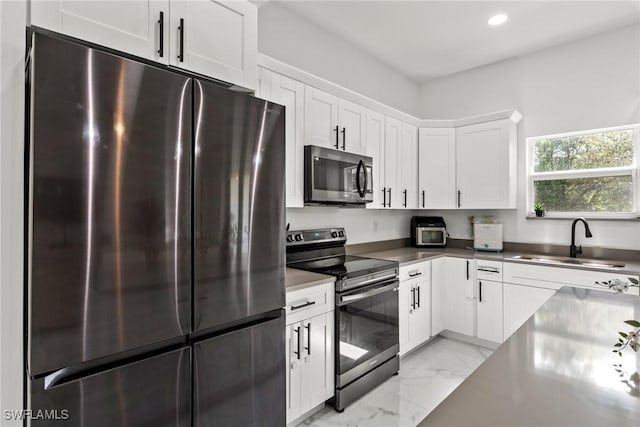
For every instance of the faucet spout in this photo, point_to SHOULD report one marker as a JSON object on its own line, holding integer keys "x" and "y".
{"x": 573, "y": 250}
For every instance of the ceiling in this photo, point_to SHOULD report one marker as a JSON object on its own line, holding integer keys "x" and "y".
{"x": 424, "y": 40}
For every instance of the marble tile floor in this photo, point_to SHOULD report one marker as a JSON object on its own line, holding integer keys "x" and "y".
{"x": 426, "y": 377}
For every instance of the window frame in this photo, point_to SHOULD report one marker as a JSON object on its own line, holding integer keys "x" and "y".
{"x": 633, "y": 171}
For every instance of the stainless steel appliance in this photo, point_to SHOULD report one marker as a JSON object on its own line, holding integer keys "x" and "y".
{"x": 366, "y": 336}
{"x": 334, "y": 177}
{"x": 155, "y": 267}
{"x": 428, "y": 231}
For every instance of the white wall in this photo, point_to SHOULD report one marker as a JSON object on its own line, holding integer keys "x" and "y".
{"x": 12, "y": 49}
{"x": 294, "y": 40}
{"x": 587, "y": 84}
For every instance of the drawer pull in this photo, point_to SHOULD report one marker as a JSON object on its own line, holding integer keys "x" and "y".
{"x": 306, "y": 304}
{"x": 417, "y": 273}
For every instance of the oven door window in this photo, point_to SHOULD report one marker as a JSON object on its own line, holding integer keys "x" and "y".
{"x": 335, "y": 175}
{"x": 431, "y": 237}
{"x": 366, "y": 328}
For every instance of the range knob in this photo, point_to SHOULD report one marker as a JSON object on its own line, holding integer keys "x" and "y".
{"x": 298, "y": 237}
{"x": 290, "y": 238}
{"x": 341, "y": 233}
{"x": 334, "y": 234}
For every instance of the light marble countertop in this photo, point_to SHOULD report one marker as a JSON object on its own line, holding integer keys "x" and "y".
{"x": 556, "y": 370}
{"x": 298, "y": 279}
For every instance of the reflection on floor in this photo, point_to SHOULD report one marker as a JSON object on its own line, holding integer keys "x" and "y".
{"x": 426, "y": 377}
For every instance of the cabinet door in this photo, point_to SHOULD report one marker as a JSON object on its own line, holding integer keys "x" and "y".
{"x": 129, "y": 26}
{"x": 375, "y": 150}
{"x": 294, "y": 364}
{"x": 421, "y": 317}
{"x": 460, "y": 299}
{"x": 438, "y": 297}
{"x": 485, "y": 157}
{"x": 320, "y": 118}
{"x": 352, "y": 120}
{"x": 489, "y": 319}
{"x": 290, "y": 93}
{"x": 405, "y": 307}
{"x": 437, "y": 168}
{"x": 392, "y": 137}
{"x": 215, "y": 38}
{"x": 318, "y": 375}
{"x": 408, "y": 167}
{"x": 520, "y": 303}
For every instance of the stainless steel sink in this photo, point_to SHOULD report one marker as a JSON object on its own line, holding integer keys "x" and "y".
{"x": 545, "y": 259}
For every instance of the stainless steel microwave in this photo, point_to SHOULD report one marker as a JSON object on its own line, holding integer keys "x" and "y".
{"x": 334, "y": 177}
{"x": 428, "y": 231}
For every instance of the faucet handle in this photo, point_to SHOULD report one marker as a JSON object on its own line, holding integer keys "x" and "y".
{"x": 579, "y": 250}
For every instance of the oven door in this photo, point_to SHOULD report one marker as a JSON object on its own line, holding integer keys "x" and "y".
{"x": 366, "y": 329}
{"x": 336, "y": 177}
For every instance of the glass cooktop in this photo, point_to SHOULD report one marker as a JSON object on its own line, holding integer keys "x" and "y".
{"x": 344, "y": 266}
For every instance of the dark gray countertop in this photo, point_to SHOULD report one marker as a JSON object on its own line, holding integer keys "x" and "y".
{"x": 410, "y": 255}
{"x": 556, "y": 370}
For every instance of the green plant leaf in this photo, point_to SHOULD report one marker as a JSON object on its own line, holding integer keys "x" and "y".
{"x": 622, "y": 334}
{"x": 618, "y": 344}
{"x": 633, "y": 280}
{"x": 633, "y": 323}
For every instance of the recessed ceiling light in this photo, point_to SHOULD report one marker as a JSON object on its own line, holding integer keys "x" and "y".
{"x": 497, "y": 20}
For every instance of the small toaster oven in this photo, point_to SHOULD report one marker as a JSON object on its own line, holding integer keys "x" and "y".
{"x": 428, "y": 231}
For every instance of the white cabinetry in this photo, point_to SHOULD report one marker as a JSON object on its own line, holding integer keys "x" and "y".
{"x": 489, "y": 306}
{"x": 392, "y": 138}
{"x": 520, "y": 303}
{"x": 213, "y": 38}
{"x": 460, "y": 296}
{"x": 375, "y": 128}
{"x": 309, "y": 349}
{"x": 408, "y": 167}
{"x": 352, "y": 123}
{"x": 437, "y": 168}
{"x": 415, "y": 305}
{"x": 438, "y": 295}
{"x": 290, "y": 93}
{"x": 486, "y": 165}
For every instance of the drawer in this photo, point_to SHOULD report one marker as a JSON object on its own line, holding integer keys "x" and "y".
{"x": 414, "y": 271}
{"x": 489, "y": 270}
{"x": 308, "y": 302}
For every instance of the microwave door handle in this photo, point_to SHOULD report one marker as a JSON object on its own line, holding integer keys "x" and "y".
{"x": 360, "y": 191}
{"x": 366, "y": 179}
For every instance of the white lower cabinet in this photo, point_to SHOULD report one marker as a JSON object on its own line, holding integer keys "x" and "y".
{"x": 438, "y": 296}
{"x": 460, "y": 295}
{"x": 309, "y": 349}
{"x": 520, "y": 303}
{"x": 415, "y": 306}
{"x": 489, "y": 311}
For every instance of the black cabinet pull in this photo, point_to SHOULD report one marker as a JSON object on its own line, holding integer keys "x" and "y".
{"x": 384, "y": 197}
{"x": 297, "y": 353}
{"x": 405, "y": 198}
{"x": 181, "y": 33}
{"x": 161, "y": 27}
{"x": 459, "y": 194}
{"x": 467, "y": 269}
{"x": 389, "y": 196}
{"x": 344, "y": 138}
{"x": 480, "y": 291}
{"x": 423, "y": 198}
{"x": 306, "y": 304}
{"x": 418, "y": 297}
{"x": 413, "y": 298}
{"x": 308, "y": 338}
{"x": 337, "y": 131}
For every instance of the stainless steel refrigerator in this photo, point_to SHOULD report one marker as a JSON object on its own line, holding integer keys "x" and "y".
{"x": 156, "y": 265}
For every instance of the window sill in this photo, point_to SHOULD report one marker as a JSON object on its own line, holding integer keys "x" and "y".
{"x": 622, "y": 217}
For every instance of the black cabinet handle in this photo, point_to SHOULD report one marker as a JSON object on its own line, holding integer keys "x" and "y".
{"x": 418, "y": 298}
{"x": 297, "y": 353}
{"x": 306, "y": 304}
{"x": 308, "y": 347}
{"x": 344, "y": 138}
{"x": 181, "y": 33}
{"x": 413, "y": 298}
{"x": 480, "y": 291}
{"x": 384, "y": 197}
{"x": 389, "y": 196}
{"x": 405, "y": 198}
{"x": 459, "y": 194}
{"x": 467, "y": 269}
{"x": 161, "y": 44}
{"x": 423, "y": 198}
{"x": 337, "y": 131}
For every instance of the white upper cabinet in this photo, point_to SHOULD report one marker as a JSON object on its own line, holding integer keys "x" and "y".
{"x": 375, "y": 149}
{"x": 352, "y": 124}
{"x": 408, "y": 167}
{"x": 290, "y": 93}
{"x": 214, "y": 38}
{"x": 486, "y": 165}
{"x": 129, "y": 26}
{"x": 392, "y": 138}
{"x": 437, "y": 168}
{"x": 320, "y": 118}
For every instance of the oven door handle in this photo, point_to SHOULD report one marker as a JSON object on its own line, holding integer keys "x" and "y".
{"x": 346, "y": 299}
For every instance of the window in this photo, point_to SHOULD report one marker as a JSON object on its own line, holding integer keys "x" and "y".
{"x": 590, "y": 173}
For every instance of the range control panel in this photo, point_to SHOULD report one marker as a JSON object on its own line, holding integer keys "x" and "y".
{"x": 323, "y": 235}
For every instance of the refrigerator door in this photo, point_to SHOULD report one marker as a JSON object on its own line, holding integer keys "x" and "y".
{"x": 239, "y": 377}
{"x": 239, "y": 209}
{"x": 153, "y": 392}
{"x": 110, "y": 201}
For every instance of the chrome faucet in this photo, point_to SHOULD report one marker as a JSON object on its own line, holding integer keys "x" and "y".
{"x": 573, "y": 250}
